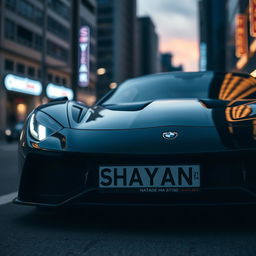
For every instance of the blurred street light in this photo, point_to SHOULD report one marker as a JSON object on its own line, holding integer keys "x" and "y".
{"x": 45, "y": 100}
{"x": 101, "y": 71}
{"x": 113, "y": 85}
{"x": 21, "y": 109}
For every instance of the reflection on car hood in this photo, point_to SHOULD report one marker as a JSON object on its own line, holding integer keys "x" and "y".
{"x": 165, "y": 113}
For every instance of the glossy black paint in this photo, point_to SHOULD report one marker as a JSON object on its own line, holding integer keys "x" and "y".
{"x": 219, "y": 134}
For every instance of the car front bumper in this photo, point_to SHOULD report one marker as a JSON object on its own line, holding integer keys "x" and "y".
{"x": 67, "y": 179}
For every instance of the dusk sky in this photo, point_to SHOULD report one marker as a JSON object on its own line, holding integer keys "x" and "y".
{"x": 177, "y": 26}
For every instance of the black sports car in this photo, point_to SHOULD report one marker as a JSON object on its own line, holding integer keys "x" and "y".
{"x": 165, "y": 139}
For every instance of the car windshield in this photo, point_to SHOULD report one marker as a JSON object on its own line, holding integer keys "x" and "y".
{"x": 201, "y": 85}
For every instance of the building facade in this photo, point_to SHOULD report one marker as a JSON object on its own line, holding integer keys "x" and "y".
{"x": 167, "y": 63}
{"x": 241, "y": 34}
{"x": 28, "y": 63}
{"x": 147, "y": 48}
{"x": 212, "y": 23}
{"x": 116, "y": 43}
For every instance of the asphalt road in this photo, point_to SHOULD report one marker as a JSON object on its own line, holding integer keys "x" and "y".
{"x": 120, "y": 231}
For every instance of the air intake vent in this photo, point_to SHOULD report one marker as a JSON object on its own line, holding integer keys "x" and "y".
{"x": 135, "y": 106}
{"x": 78, "y": 113}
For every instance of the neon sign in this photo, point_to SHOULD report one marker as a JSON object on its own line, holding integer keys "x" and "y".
{"x": 253, "y": 18}
{"x": 22, "y": 85}
{"x": 55, "y": 91}
{"x": 241, "y": 35}
{"x": 84, "y": 57}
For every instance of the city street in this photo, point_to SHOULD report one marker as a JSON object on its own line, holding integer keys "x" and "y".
{"x": 127, "y": 103}
{"x": 119, "y": 231}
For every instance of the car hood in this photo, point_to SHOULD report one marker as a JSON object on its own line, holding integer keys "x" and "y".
{"x": 146, "y": 115}
{"x": 202, "y": 125}
{"x": 194, "y": 113}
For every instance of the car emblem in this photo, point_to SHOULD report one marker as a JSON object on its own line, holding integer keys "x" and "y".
{"x": 170, "y": 135}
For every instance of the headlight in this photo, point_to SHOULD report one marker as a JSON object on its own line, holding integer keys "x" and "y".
{"x": 41, "y": 126}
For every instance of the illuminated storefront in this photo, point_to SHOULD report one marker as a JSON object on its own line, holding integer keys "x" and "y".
{"x": 22, "y": 85}
{"x": 22, "y": 95}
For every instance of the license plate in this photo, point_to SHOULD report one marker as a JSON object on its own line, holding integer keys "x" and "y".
{"x": 169, "y": 176}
